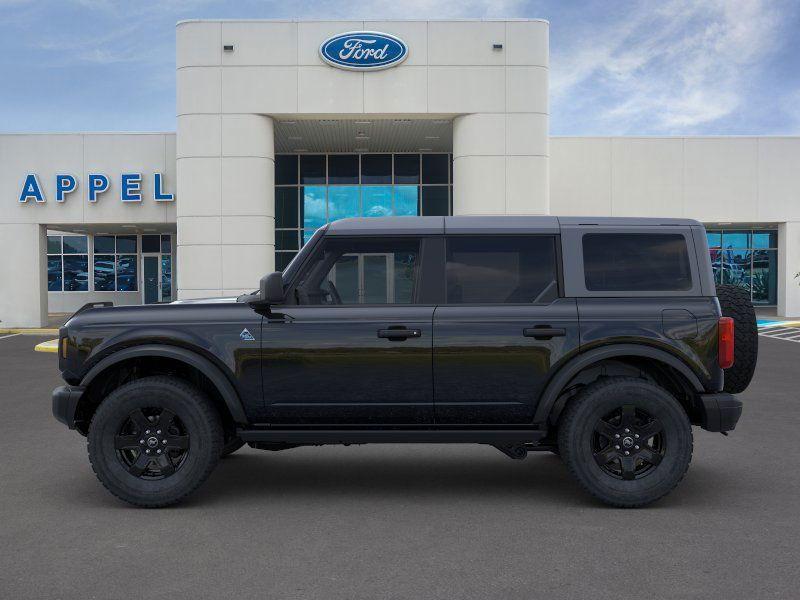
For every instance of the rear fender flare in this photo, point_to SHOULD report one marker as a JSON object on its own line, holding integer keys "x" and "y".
{"x": 548, "y": 408}
{"x": 205, "y": 366}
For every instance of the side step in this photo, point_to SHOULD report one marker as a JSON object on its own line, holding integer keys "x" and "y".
{"x": 503, "y": 437}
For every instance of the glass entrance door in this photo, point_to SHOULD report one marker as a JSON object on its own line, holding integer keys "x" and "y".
{"x": 151, "y": 289}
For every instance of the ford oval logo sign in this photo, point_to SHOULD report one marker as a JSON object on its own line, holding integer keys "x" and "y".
{"x": 363, "y": 50}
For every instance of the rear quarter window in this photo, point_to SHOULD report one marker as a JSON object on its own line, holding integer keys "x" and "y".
{"x": 636, "y": 262}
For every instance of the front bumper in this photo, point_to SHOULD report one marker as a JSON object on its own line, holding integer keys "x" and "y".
{"x": 720, "y": 412}
{"x": 65, "y": 403}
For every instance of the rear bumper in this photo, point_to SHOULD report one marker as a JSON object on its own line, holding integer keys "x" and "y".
{"x": 65, "y": 403}
{"x": 720, "y": 412}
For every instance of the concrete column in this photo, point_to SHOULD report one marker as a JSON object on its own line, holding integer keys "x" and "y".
{"x": 226, "y": 221}
{"x": 24, "y": 275}
{"x": 501, "y": 164}
{"x": 788, "y": 265}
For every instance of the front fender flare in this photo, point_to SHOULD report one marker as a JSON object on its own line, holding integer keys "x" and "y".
{"x": 549, "y": 397}
{"x": 202, "y": 364}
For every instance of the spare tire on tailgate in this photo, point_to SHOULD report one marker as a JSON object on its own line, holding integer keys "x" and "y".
{"x": 735, "y": 303}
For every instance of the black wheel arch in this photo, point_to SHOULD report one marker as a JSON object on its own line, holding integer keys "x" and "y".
{"x": 165, "y": 354}
{"x": 553, "y": 399}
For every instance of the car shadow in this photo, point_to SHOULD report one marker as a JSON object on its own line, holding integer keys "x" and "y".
{"x": 383, "y": 475}
{"x": 541, "y": 478}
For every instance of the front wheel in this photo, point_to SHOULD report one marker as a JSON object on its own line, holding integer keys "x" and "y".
{"x": 627, "y": 441}
{"x": 153, "y": 441}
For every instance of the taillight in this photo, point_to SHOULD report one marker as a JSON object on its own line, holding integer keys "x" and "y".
{"x": 725, "y": 347}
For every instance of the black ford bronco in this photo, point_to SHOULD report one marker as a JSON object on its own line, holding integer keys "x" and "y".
{"x": 602, "y": 340}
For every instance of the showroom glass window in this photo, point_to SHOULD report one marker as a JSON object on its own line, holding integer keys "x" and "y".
{"x": 314, "y": 189}
{"x": 67, "y": 263}
{"x": 115, "y": 263}
{"x": 747, "y": 258}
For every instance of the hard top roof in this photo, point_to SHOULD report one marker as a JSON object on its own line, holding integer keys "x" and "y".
{"x": 487, "y": 224}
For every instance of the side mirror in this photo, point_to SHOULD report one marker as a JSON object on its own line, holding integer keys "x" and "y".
{"x": 271, "y": 288}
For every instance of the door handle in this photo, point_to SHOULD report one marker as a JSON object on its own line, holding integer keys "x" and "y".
{"x": 544, "y": 333}
{"x": 399, "y": 335}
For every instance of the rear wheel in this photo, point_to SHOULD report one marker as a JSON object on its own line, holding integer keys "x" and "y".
{"x": 735, "y": 303}
{"x": 153, "y": 441}
{"x": 627, "y": 441}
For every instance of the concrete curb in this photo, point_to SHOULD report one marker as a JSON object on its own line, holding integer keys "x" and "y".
{"x": 48, "y": 346}
{"x": 30, "y": 331}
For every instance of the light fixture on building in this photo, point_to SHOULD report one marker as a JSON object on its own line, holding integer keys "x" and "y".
{"x": 363, "y": 122}
{"x": 432, "y": 137}
{"x": 497, "y": 46}
{"x": 361, "y": 150}
{"x": 402, "y": 121}
{"x": 228, "y": 47}
{"x": 288, "y": 122}
{"x": 426, "y": 149}
{"x": 301, "y": 150}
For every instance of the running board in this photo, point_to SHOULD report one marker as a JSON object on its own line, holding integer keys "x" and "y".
{"x": 393, "y": 436}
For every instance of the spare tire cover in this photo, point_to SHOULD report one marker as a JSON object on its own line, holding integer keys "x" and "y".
{"x": 735, "y": 303}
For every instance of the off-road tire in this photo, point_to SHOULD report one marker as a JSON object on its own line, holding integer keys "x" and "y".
{"x": 196, "y": 414}
{"x": 735, "y": 303}
{"x": 231, "y": 445}
{"x": 577, "y": 432}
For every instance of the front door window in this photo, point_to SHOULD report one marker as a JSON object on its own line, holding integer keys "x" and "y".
{"x": 363, "y": 271}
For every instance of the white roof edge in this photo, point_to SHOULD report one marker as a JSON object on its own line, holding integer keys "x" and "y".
{"x": 10, "y": 133}
{"x": 711, "y": 136}
{"x": 420, "y": 20}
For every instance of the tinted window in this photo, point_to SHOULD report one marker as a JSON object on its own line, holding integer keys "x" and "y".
{"x": 312, "y": 169}
{"x": 104, "y": 243}
{"x": 434, "y": 168}
{"x": 501, "y": 270}
{"x": 151, "y": 243}
{"x": 75, "y": 244}
{"x": 366, "y": 271}
{"x": 285, "y": 169}
{"x": 126, "y": 243}
{"x": 343, "y": 168}
{"x": 376, "y": 168}
{"x": 636, "y": 262}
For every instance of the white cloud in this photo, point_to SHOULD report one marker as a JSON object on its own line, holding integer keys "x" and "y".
{"x": 669, "y": 69}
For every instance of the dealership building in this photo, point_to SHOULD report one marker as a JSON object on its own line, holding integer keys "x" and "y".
{"x": 283, "y": 126}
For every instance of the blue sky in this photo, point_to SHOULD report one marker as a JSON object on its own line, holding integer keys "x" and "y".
{"x": 617, "y": 67}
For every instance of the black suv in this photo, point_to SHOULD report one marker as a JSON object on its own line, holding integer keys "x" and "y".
{"x": 602, "y": 340}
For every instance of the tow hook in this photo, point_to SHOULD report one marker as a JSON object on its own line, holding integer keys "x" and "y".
{"x": 515, "y": 451}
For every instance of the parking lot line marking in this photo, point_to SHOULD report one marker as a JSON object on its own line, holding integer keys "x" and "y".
{"x": 2, "y": 337}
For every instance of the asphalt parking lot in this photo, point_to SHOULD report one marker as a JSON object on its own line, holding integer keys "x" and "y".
{"x": 400, "y": 522}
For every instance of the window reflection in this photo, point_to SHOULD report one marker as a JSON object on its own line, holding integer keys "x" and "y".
{"x": 405, "y": 200}
{"x": 747, "y": 258}
{"x": 314, "y": 206}
{"x": 377, "y": 201}
{"x": 327, "y": 189}
{"x": 343, "y": 202}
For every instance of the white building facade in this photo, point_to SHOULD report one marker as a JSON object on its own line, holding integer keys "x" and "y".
{"x": 282, "y": 128}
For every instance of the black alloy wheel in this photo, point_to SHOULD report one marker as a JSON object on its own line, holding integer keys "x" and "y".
{"x": 152, "y": 443}
{"x": 154, "y": 440}
{"x": 626, "y": 440}
{"x": 628, "y": 443}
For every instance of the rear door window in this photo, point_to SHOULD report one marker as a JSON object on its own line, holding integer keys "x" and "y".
{"x": 501, "y": 269}
{"x": 636, "y": 262}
